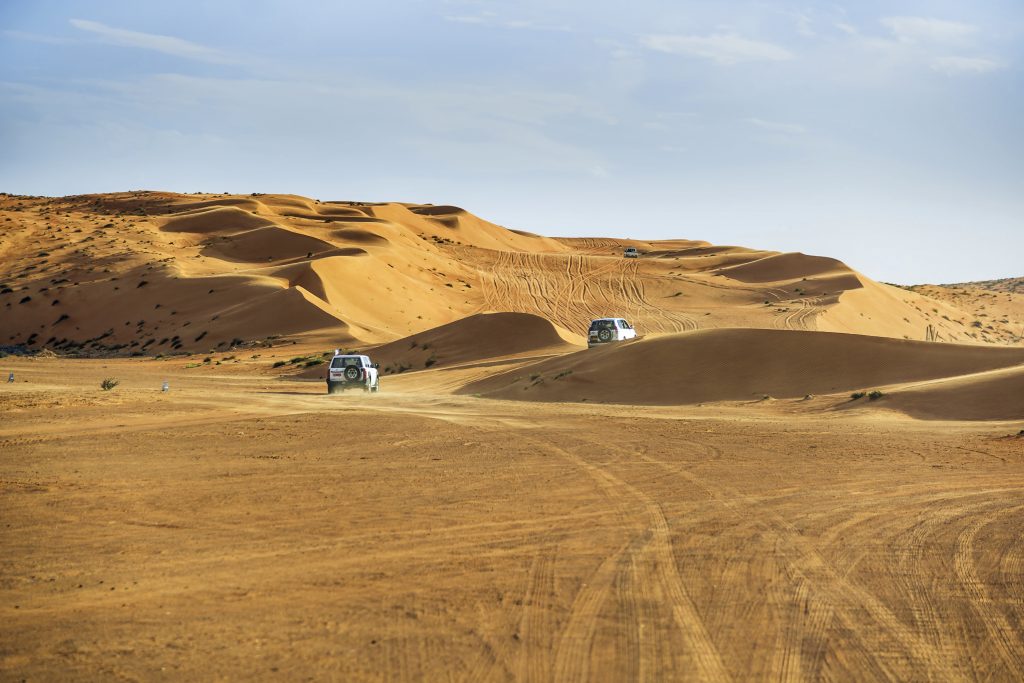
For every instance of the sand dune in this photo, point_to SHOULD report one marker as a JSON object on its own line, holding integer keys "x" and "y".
{"x": 384, "y": 271}
{"x": 784, "y": 268}
{"x": 216, "y": 220}
{"x": 478, "y": 337}
{"x": 268, "y": 244}
{"x": 738, "y": 365}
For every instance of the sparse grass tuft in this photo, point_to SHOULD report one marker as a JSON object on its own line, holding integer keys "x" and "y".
{"x": 875, "y": 395}
{"x": 857, "y": 394}
{"x": 108, "y": 384}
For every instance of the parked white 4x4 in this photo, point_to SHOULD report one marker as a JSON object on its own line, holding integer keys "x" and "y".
{"x": 606, "y": 330}
{"x": 351, "y": 372}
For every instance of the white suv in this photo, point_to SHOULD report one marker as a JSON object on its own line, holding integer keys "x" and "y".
{"x": 605, "y": 330}
{"x": 631, "y": 252}
{"x": 350, "y": 371}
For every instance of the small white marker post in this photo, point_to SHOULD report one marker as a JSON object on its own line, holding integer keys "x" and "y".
{"x": 166, "y": 386}
{"x": 10, "y": 378}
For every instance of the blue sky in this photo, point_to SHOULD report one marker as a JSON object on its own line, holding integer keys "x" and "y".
{"x": 886, "y": 134}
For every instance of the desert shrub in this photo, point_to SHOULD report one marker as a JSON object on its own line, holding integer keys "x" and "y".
{"x": 313, "y": 361}
{"x": 108, "y": 384}
{"x": 430, "y": 361}
{"x": 875, "y": 395}
{"x": 280, "y": 363}
{"x": 564, "y": 373}
{"x": 857, "y": 394}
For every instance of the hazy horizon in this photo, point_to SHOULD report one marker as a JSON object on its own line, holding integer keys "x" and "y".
{"x": 887, "y": 135}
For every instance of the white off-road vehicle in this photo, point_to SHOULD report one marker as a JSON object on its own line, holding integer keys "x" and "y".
{"x": 631, "y": 252}
{"x": 348, "y": 371}
{"x": 607, "y": 330}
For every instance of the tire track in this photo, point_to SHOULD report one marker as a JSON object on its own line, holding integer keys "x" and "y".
{"x": 663, "y": 570}
{"x": 828, "y": 590}
{"x": 1005, "y": 638}
{"x": 535, "y": 624}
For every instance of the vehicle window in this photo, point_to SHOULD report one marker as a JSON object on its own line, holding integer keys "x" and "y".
{"x": 602, "y": 325}
{"x": 337, "y": 362}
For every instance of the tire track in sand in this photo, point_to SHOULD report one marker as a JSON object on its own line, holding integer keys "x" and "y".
{"x": 825, "y": 590}
{"x": 1005, "y": 637}
{"x": 656, "y": 564}
{"x": 535, "y": 624}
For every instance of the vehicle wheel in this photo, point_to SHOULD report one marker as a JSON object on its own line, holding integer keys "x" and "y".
{"x": 375, "y": 388}
{"x": 605, "y": 335}
{"x": 330, "y": 387}
{"x": 352, "y": 373}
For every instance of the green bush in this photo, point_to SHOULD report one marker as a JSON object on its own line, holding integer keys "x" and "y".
{"x": 875, "y": 395}
{"x": 857, "y": 394}
{"x": 108, "y": 384}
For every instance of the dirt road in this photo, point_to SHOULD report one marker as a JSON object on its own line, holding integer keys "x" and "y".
{"x": 243, "y": 527}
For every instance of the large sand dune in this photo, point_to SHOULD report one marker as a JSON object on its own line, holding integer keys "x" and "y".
{"x": 377, "y": 272}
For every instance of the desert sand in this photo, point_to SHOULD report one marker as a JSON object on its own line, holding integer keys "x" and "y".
{"x": 707, "y": 502}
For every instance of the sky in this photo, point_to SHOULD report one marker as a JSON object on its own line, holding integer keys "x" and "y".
{"x": 888, "y": 134}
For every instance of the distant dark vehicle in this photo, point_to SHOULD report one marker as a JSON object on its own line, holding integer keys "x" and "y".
{"x": 607, "y": 330}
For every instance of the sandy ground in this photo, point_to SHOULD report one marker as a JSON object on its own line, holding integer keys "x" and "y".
{"x": 243, "y": 526}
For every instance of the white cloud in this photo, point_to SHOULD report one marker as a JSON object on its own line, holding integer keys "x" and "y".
{"x": 38, "y": 38}
{"x": 468, "y": 19}
{"x": 719, "y": 48}
{"x": 927, "y": 29}
{"x": 158, "y": 43}
{"x": 774, "y": 126}
{"x": 965, "y": 65}
{"x": 492, "y": 20}
{"x": 804, "y": 25}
